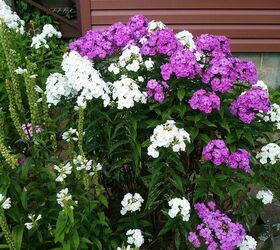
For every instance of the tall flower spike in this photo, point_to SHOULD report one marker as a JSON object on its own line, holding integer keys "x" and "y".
{"x": 10, "y": 159}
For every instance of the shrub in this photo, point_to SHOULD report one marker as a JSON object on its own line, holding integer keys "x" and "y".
{"x": 142, "y": 138}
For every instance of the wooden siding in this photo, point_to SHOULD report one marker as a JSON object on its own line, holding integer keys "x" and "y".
{"x": 252, "y": 25}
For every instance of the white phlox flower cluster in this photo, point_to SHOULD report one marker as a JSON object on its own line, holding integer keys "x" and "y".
{"x": 63, "y": 171}
{"x": 64, "y": 198}
{"x": 5, "y": 203}
{"x": 248, "y": 243}
{"x": 20, "y": 71}
{"x": 87, "y": 165}
{"x": 179, "y": 207}
{"x": 186, "y": 38}
{"x": 168, "y": 135}
{"x": 261, "y": 84}
{"x": 155, "y": 25}
{"x": 70, "y": 134}
{"x": 33, "y": 223}
{"x": 57, "y": 87}
{"x": 125, "y": 93}
{"x": 269, "y": 153}
{"x": 41, "y": 39}
{"x": 273, "y": 115}
{"x": 131, "y": 203}
{"x": 10, "y": 18}
{"x": 266, "y": 196}
{"x": 131, "y": 60}
{"x": 152, "y": 26}
{"x": 83, "y": 78}
{"x": 135, "y": 237}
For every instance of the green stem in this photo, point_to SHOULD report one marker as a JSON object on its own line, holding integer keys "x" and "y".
{"x": 81, "y": 130}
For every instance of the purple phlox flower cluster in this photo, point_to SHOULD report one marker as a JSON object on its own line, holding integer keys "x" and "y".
{"x": 246, "y": 70}
{"x": 182, "y": 63}
{"x": 222, "y": 73}
{"x": 102, "y": 43}
{"x": 215, "y": 46}
{"x": 27, "y": 130}
{"x": 138, "y": 26}
{"x": 155, "y": 89}
{"x": 216, "y": 151}
{"x": 205, "y": 101}
{"x": 217, "y": 229}
{"x": 239, "y": 159}
{"x": 161, "y": 41}
{"x": 255, "y": 99}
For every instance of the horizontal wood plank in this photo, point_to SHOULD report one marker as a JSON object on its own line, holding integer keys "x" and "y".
{"x": 255, "y": 45}
{"x": 100, "y": 17}
{"x": 184, "y": 4}
{"x": 232, "y": 31}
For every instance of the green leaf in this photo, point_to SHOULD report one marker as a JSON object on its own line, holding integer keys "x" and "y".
{"x": 23, "y": 199}
{"x": 181, "y": 94}
{"x": 103, "y": 200}
{"x": 17, "y": 234}
{"x": 61, "y": 227}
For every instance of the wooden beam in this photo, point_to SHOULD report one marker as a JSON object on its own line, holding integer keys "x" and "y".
{"x": 84, "y": 15}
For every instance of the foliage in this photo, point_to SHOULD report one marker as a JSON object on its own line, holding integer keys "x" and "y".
{"x": 62, "y": 147}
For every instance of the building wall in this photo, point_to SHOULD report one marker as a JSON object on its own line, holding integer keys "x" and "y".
{"x": 268, "y": 66}
{"x": 253, "y": 26}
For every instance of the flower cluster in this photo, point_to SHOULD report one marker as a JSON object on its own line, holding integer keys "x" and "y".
{"x": 273, "y": 115}
{"x": 83, "y": 164}
{"x": 63, "y": 171}
{"x": 57, "y": 87}
{"x": 269, "y": 153}
{"x": 186, "y": 38}
{"x": 41, "y": 39}
{"x": 255, "y": 99}
{"x": 28, "y": 130}
{"x": 239, "y": 159}
{"x": 266, "y": 196}
{"x": 216, "y": 151}
{"x": 155, "y": 89}
{"x": 64, "y": 199}
{"x": 10, "y": 18}
{"x": 161, "y": 41}
{"x": 179, "y": 207}
{"x": 104, "y": 42}
{"x": 135, "y": 237}
{"x": 5, "y": 203}
{"x": 80, "y": 77}
{"x": 34, "y": 221}
{"x": 167, "y": 135}
{"x": 204, "y": 101}
{"x": 154, "y": 25}
{"x": 182, "y": 63}
{"x": 70, "y": 134}
{"x": 214, "y": 46}
{"x": 248, "y": 243}
{"x": 131, "y": 203}
{"x": 125, "y": 92}
{"x": 131, "y": 60}
{"x": 217, "y": 229}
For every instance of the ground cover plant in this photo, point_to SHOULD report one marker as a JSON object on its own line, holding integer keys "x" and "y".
{"x": 133, "y": 137}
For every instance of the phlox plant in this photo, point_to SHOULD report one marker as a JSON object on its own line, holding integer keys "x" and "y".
{"x": 132, "y": 137}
